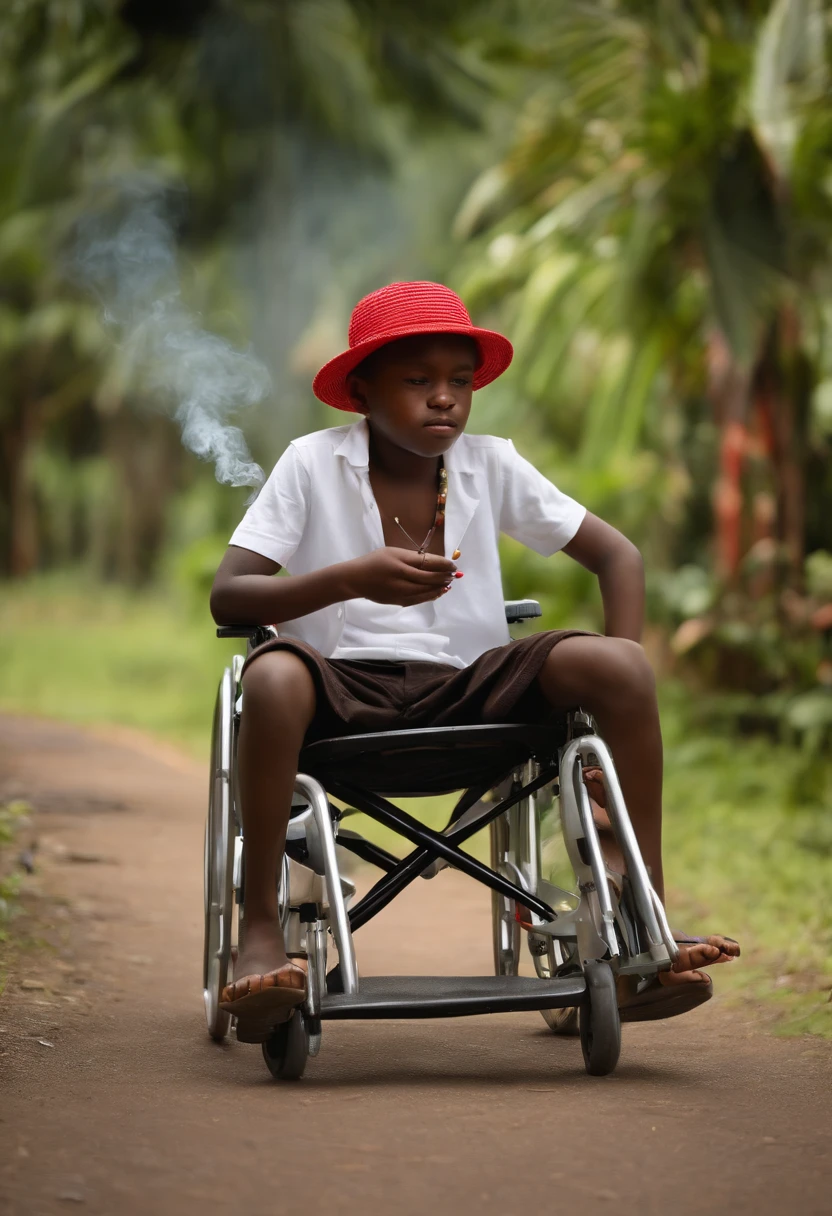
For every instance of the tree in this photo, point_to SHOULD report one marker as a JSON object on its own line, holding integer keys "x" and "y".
{"x": 659, "y": 231}
{"x": 197, "y": 93}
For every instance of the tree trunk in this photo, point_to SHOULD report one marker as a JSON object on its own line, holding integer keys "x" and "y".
{"x": 781, "y": 393}
{"x": 22, "y": 536}
{"x": 728, "y": 392}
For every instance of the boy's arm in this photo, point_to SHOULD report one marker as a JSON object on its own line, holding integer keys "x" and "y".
{"x": 245, "y": 591}
{"x": 617, "y": 562}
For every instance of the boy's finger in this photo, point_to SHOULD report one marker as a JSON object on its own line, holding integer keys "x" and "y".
{"x": 426, "y": 578}
{"x": 429, "y": 562}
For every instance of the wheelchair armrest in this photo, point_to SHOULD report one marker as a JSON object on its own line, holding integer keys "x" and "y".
{"x": 522, "y": 610}
{"x": 255, "y": 633}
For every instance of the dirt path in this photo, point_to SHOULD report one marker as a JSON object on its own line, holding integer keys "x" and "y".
{"x": 115, "y": 1101}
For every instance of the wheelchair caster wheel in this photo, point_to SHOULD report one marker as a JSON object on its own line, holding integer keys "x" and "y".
{"x": 287, "y": 1050}
{"x": 600, "y": 1025}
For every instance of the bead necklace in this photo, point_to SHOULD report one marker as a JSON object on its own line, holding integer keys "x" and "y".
{"x": 439, "y": 518}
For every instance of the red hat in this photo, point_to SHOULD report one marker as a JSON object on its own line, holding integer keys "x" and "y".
{"x": 398, "y": 311}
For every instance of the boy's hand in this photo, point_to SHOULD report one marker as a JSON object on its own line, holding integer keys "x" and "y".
{"x": 399, "y": 576}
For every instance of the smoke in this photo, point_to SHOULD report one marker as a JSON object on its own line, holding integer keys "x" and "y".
{"x": 126, "y": 254}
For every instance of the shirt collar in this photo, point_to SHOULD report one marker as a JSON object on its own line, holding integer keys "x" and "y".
{"x": 355, "y": 448}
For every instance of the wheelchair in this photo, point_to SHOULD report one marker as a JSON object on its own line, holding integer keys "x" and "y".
{"x": 524, "y": 783}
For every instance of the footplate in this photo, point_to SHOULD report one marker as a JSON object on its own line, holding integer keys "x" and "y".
{"x": 443, "y": 996}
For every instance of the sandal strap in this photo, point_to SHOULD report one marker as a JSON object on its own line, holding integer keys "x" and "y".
{"x": 687, "y": 939}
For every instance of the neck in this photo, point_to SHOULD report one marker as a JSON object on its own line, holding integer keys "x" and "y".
{"x": 388, "y": 458}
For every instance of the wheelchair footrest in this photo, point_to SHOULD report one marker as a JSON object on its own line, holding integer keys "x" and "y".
{"x": 443, "y": 996}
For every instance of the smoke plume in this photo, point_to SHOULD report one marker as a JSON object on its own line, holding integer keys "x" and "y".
{"x": 126, "y": 254}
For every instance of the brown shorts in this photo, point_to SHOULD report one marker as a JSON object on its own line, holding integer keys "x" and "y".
{"x": 376, "y": 695}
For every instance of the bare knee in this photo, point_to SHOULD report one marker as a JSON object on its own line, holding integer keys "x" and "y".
{"x": 278, "y": 688}
{"x": 630, "y": 678}
{"x": 599, "y": 673}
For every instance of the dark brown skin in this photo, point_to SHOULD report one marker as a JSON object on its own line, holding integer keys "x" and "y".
{"x": 417, "y": 396}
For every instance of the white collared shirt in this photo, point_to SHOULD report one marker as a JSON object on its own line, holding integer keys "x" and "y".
{"x": 317, "y": 508}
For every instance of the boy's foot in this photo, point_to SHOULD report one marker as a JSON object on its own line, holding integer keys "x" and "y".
{"x": 679, "y": 990}
{"x": 269, "y": 987}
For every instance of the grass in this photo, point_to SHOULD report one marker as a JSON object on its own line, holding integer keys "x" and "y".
{"x": 92, "y": 654}
{"x": 747, "y": 836}
{"x": 13, "y": 816}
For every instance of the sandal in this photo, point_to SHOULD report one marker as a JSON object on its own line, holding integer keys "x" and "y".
{"x": 686, "y": 939}
{"x": 648, "y": 1000}
{"x": 261, "y": 1008}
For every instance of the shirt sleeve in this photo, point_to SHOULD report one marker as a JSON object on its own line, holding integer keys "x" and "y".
{"x": 274, "y": 523}
{"x": 533, "y": 510}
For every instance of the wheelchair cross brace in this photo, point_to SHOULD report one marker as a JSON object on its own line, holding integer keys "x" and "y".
{"x": 431, "y": 845}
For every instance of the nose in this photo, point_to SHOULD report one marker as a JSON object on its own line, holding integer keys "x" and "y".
{"x": 442, "y": 398}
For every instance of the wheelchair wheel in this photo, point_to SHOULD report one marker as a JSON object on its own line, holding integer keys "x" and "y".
{"x": 505, "y": 929}
{"x": 287, "y": 1050}
{"x": 220, "y": 834}
{"x": 599, "y": 1021}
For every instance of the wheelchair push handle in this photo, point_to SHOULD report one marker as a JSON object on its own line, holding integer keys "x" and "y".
{"x": 516, "y": 610}
{"x": 522, "y": 610}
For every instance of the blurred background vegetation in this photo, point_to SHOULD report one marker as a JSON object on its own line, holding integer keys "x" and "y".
{"x": 639, "y": 195}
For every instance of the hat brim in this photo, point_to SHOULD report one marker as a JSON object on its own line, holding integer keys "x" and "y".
{"x": 330, "y": 384}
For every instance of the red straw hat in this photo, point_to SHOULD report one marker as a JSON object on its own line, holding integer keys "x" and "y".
{"x": 398, "y": 311}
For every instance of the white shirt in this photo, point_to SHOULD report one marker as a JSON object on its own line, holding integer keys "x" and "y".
{"x": 317, "y": 508}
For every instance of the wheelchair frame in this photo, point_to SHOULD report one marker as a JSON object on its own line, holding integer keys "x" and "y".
{"x": 577, "y": 951}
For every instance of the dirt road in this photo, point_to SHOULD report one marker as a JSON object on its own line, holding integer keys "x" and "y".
{"x": 116, "y": 1102}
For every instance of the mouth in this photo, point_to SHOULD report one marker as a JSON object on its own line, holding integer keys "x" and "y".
{"x": 446, "y": 427}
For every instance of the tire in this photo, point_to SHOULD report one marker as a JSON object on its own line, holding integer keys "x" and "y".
{"x": 600, "y": 1025}
{"x": 219, "y": 860}
{"x": 287, "y": 1051}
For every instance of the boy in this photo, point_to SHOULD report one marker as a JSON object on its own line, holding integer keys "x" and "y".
{"x": 383, "y": 625}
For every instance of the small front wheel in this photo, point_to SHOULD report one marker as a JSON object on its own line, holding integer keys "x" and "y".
{"x": 599, "y": 1021}
{"x": 287, "y": 1050}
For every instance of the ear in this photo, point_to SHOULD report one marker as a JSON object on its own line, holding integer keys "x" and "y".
{"x": 357, "y": 393}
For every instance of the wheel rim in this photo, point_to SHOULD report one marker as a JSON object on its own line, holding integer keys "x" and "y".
{"x": 219, "y": 840}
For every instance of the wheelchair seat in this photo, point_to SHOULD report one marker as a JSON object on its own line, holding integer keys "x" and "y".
{"x": 432, "y": 760}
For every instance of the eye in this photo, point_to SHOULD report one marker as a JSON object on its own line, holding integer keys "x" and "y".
{"x": 461, "y": 380}
{"x": 416, "y": 380}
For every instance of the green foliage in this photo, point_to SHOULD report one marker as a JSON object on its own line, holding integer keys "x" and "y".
{"x": 215, "y": 111}
{"x": 95, "y": 654}
{"x": 13, "y": 816}
{"x": 749, "y": 854}
{"x": 656, "y": 238}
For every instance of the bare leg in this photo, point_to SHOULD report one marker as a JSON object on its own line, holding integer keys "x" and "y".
{"x": 278, "y": 706}
{"x": 612, "y": 678}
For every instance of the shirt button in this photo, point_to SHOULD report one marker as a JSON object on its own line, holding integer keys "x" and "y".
{"x": 340, "y": 613}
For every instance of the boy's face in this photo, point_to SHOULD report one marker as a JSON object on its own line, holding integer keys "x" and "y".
{"x": 417, "y": 391}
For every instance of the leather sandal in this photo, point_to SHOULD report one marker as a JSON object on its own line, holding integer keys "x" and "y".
{"x": 648, "y": 1000}
{"x": 261, "y": 1008}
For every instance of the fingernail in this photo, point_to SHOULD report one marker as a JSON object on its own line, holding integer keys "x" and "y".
{"x": 456, "y": 554}
{"x": 459, "y": 574}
